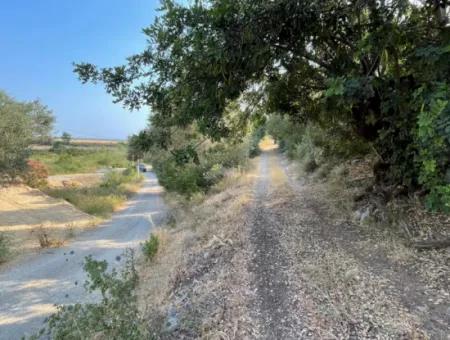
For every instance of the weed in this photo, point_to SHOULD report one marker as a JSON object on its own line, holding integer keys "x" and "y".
{"x": 150, "y": 247}
{"x": 45, "y": 241}
{"x": 4, "y": 248}
{"x": 116, "y": 316}
{"x": 70, "y": 231}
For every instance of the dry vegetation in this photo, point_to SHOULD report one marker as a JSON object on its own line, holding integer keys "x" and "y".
{"x": 287, "y": 257}
{"x": 197, "y": 283}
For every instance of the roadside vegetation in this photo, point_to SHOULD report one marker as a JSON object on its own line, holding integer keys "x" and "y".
{"x": 103, "y": 199}
{"x": 116, "y": 315}
{"x": 377, "y": 71}
{"x": 4, "y": 248}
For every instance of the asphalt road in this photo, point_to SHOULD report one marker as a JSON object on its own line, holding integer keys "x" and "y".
{"x": 30, "y": 289}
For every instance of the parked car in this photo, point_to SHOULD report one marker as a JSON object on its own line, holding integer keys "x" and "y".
{"x": 143, "y": 167}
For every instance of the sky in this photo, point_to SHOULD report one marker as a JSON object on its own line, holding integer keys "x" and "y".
{"x": 39, "y": 41}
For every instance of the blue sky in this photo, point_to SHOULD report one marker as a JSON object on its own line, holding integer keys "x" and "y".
{"x": 39, "y": 40}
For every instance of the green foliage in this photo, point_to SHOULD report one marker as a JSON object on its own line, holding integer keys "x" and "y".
{"x": 103, "y": 199}
{"x": 66, "y": 138}
{"x": 42, "y": 121}
{"x": 66, "y": 160}
{"x": 4, "y": 248}
{"x": 352, "y": 69}
{"x": 255, "y": 138}
{"x": 21, "y": 123}
{"x": 115, "y": 316}
{"x": 433, "y": 140}
{"x": 188, "y": 171}
{"x": 15, "y": 135}
{"x": 313, "y": 144}
{"x": 150, "y": 247}
{"x": 439, "y": 198}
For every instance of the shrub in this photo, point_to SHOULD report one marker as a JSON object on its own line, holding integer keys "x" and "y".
{"x": 4, "y": 248}
{"x": 150, "y": 247}
{"x": 439, "y": 199}
{"x": 116, "y": 316}
{"x": 36, "y": 174}
{"x": 103, "y": 199}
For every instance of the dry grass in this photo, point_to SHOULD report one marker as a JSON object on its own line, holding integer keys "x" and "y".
{"x": 197, "y": 259}
{"x": 347, "y": 280}
{"x": 378, "y": 250}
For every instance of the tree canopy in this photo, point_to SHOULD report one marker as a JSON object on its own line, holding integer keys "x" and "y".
{"x": 21, "y": 123}
{"x": 379, "y": 67}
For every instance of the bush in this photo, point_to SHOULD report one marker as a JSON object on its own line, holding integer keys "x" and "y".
{"x": 150, "y": 247}
{"x": 36, "y": 174}
{"x": 198, "y": 175}
{"x": 116, "y": 316}
{"x": 439, "y": 199}
{"x": 4, "y": 248}
{"x": 103, "y": 199}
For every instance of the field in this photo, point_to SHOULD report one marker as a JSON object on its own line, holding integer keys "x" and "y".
{"x": 82, "y": 160}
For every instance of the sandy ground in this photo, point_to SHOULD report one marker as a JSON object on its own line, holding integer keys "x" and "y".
{"x": 26, "y": 212}
{"x": 29, "y": 290}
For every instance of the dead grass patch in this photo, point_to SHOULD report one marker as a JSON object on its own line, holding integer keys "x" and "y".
{"x": 195, "y": 283}
{"x": 373, "y": 238}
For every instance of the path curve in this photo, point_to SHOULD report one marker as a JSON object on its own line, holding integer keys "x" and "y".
{"x": 30, "y": 289}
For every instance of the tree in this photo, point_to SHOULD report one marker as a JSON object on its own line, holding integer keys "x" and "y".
{"x": 42, "y": 122}
{"x": 66, "y": 138}
{"x": 374, "y": 66}
{"x": 15, "y": 136}
{"x": 21, "y": 123}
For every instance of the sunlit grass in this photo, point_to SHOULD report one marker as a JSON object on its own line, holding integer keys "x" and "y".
{"x": 103, "y": 199}
{"x": 82, "y": 160}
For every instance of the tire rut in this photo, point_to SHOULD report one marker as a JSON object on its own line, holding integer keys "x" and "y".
{"x": 274, "y": 305}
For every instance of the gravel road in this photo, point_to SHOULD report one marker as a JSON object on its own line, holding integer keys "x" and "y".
{"x": 30, "y": 290}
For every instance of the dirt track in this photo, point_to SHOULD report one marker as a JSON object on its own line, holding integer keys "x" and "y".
{"x": 316, "y": 277}
{"x": 288, "y": 269}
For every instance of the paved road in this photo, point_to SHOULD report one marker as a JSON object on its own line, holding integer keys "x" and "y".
{"x": 29, "y": 290}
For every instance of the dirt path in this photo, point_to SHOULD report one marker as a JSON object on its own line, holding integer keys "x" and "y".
{"x": 276, "y": 307}
{"x": 30, "y": 290}
{"x": 320, "y": 278}
{"x": 265, "y": 259}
